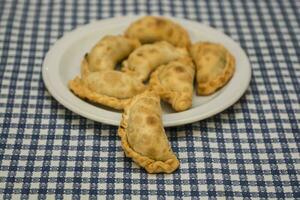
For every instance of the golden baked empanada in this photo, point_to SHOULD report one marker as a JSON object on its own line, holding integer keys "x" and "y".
{"x": 143, "y": 60}
{"x": 214, "y": 66}
{"x": 108, "y": 87}
{"x": 109, "y": 51}
{"x": 143, "y": 137}
{"x": 152, "y": 29}
{"x": 174, "y": 82}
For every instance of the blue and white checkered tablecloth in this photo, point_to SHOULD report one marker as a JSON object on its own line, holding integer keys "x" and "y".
{"x": 251, "y": 150}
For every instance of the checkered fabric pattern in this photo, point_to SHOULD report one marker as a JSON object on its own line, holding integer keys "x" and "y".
{"x": 251, "y": 150}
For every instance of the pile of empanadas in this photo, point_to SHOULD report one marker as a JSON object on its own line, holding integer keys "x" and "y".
{"x": 158, "y": 62}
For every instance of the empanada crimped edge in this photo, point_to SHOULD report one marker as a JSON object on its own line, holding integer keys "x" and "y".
{"x": 79, "y": 88}
{"x": 213, "y": 85}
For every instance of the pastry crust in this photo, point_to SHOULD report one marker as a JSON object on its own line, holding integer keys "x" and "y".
{"x": 110, "y": 88}
{"x": 146, "y": 58}
{"x": 151, "y": 29}
{"x": 143, "y": 137}
{"x": 109, "y": 51}
{"x": 81, "y": 90}
{"x": 214, "y": 66}
{"x": 174, "y": 83}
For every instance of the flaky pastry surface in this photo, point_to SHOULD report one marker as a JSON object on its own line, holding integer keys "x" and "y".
{"x": 81, "y": 90}
{"x": 109, "y": 87}
{"x": 214, "y": 66}
{"x": 151, "y": 29}
{"x": 174, "y": 83}
{"x": 143, "y": 60}
{"x": 143, "y": 137}
{"x": 109, "y": 51}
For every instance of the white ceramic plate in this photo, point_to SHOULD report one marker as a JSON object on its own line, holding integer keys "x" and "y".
{"x": 62, "y": 63}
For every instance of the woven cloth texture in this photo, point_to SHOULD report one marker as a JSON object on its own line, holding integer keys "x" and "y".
{"x": 251, "y": 150}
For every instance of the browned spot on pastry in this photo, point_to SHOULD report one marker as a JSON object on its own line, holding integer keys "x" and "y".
{"x": 99, "y": 60}
{"x": 151, "y": 152}
{"x": 151, "y": 120}
{"x": 142, "y": 109}
{"x": 170, "y": 32}
{"x": 202, "y": 88}
{"x": 179, "y": 69}
{"x": 140, "y": 54}
{"x": 222, "y": 79}
{"x": 153, "y": 50}
{"x": 168, "y": 98}
{"x": 227, "y": 73}
{"x": 203, "y": 79}
{"x": 148, "y": 101}
{"x": 133, "y": 90}
{"x": 207, "y": 58}
{"x": 112, "y": 78}
{"x": 108, "y": 48}
{"x": 212, "y": 83}
{"x": 160, "y": 22}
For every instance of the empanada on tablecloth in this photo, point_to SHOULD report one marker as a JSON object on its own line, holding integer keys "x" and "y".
{"x": 174, "y": 82}
{"x": 109, "y": 51}
{"x": 214, "y": 66}
{"x": 143, "y": 60}
{"x": 143, "y": 137}
{"x": 110, "y": 88}
{"x": 151, "y": 29}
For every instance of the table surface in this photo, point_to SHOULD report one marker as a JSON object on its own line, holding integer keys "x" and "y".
{"x": 250, "y": 150}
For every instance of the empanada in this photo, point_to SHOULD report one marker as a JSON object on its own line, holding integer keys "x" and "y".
{"x": 109, "y": 51}
{"x": 214, "y": 66}
{"x": 152, "y": 29}
{"x": 143, "y": 137}
{"x": 174, "y": 82}
{"x": 146, "y": 58}
{"x": 109, "y": 87}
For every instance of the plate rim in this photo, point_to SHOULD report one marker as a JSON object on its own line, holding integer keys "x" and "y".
{"x": 167, "y": 118}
